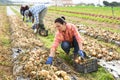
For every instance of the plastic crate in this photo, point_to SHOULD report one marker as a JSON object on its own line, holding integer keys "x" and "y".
{"x": 43, "y": 32}
{"x": 89, "y": 66}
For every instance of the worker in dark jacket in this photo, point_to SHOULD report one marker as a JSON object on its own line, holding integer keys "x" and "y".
{"x": 23, "y": 8}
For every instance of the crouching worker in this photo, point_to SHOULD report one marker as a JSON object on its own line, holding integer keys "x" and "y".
{"x": 38, "y": 13}
{"x": 68, "y": 36}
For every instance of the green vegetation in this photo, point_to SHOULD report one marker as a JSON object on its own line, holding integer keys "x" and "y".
{"x": 87, "y": 24}
{"x": 5, "y": 63}
{"x": 49, "y": 39}
{"x": 5, "y": 41}
{"x": 101, "y": 14}
{"x": 101, "y": 74}
{"x": 4, "y": 36}
{"x": 94, "y": 18}
{"x": 5, "y": 56}
{"x": 91, "y": 9}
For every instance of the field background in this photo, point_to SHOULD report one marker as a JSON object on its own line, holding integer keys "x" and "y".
{"x": 97, "y": 18}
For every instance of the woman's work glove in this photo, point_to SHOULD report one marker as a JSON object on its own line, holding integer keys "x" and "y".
{"x": 81, "y": 53}
{"x": 49, "y": 60}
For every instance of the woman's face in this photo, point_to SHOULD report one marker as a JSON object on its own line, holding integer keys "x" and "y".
{"x": 60, "y": 27}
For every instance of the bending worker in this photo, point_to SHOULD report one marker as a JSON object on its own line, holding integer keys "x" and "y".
{"x": 68, "y": 35}
{"x": 38, "y": 13}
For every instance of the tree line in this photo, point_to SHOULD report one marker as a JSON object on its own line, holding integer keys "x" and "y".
{"x": 112, "y": 4}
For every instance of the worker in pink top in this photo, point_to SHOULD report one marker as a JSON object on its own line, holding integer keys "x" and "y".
{"x": 68, "y": 35}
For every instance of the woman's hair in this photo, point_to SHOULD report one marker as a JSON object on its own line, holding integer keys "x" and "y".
{"x": 60, "y": 20}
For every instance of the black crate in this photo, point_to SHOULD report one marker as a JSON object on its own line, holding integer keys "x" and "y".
{"x": 89, "y": 66}
{"x": 43, "y": 32}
